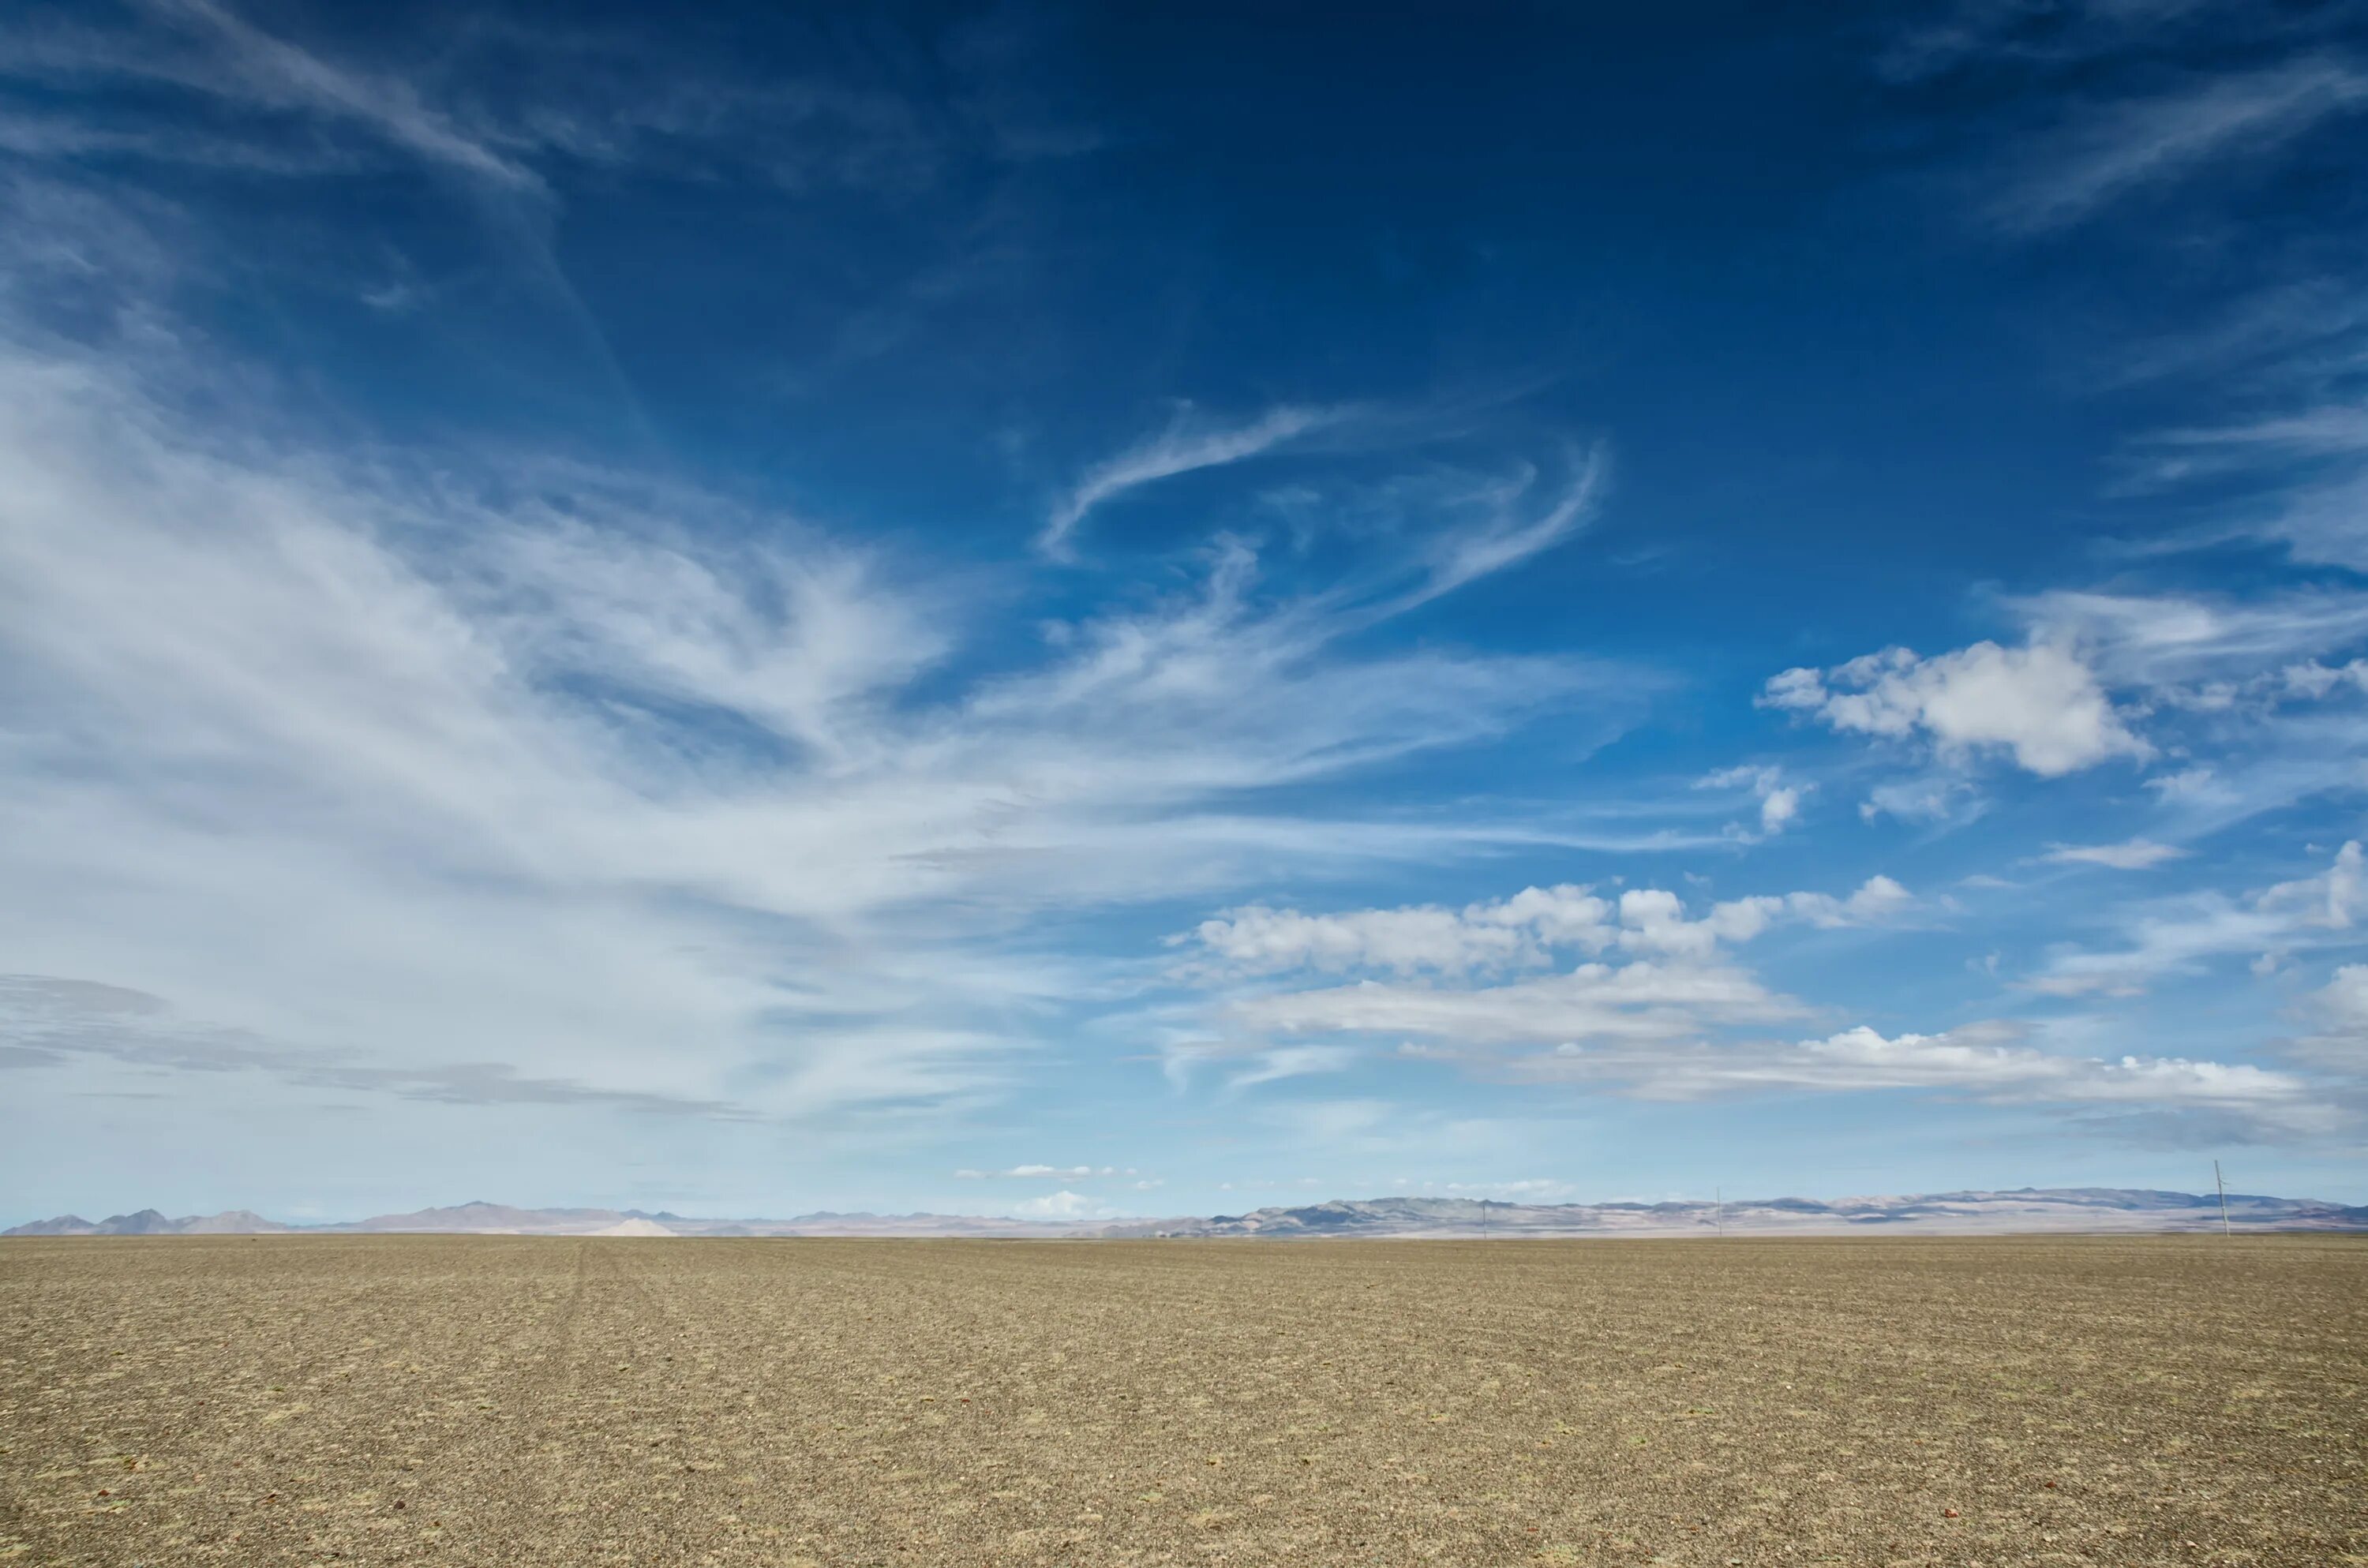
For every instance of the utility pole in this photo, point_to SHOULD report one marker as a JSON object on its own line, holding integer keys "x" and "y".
{"x": 2224, "y": 1198}
{"x": 1718, "y": 1200}
{"x": 1484, "y": 1219}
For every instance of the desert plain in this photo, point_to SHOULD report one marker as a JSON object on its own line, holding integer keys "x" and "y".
{"x": 478, "y": 1401}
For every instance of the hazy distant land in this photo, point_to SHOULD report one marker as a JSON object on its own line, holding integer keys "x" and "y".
{"x": 2028, "y": 1210}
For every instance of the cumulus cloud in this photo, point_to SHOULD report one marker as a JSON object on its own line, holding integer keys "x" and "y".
{"x": 2040, "y": 703}
{"x": 1518, "y": 930}
{"x": 1656, "y": 1010}
{"x": 1523, "y": 931}
{"x": 1928, "y": 798}
{"x": 1779, "y": 800}
{"x": 1876, "y": 900}
{"x": 2197, "y": 783}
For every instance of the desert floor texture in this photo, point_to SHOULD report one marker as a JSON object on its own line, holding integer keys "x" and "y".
{"x": 496, "y": 1400}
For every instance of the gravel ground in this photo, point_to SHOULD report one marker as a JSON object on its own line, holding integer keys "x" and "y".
{"x": 476, "y": 1400}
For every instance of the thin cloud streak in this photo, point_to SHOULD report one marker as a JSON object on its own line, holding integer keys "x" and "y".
{"x": 268, "y": 70}
{"x": 1184, "y": 446}
{"x": 2109, "y": 152}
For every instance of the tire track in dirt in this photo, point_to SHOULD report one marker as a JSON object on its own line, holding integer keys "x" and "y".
{"x": 484, "y": 1483}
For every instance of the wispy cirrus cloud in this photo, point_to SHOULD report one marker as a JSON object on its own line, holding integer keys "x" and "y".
{"x": 2185, "y": 933}
{"x": 1982, "y": 1061}
{"x": 1936, "y": 40}
{"x": 1510, "y": 534}
{"x": 813, "y": 115}
{"x": 1280, "y": 1061}
{"x": 208, "y": 50}
{"x": 631, "y": 761}
{"x": 1044, "y": 1173}
{"x": 52, "y": 1020}
{"x": 1187, "y": 444}
{"x": 2104, "y": 152}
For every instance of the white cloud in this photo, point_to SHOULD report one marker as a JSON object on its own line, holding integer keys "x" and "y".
{"x": 646, "y": 99}
{"x": 1663, "y": 1023}
{"x": 2157, "y": 641}
{"x": 1184, "y": 446}
{"x": 1780, "y": 802}
{"x": 2104, "y": 152}
{"x": 1644, "y": 1000}
{"x": 1526, "y": 1190}
{"x": 365, "y": 759}
{"x": 1465, "y": 555}
{"x": 2039, "y": 702}
{"x": 1040, "y": 1173}
{"x": 1980, "y": 1061}
{"x": 1931, "y": 798}
{"x": 2315, "y": 680}
{"x": 1934, "y": 40}
{"x": 1876, "y": 900}
{"x": 1664, "y": 1056}
{"x": 1654, "y": 920}
{"x": 1514, "y": 931}
{"x": 2132, "y": 855}
{"x": 1522, "y": 931}
{"x": 2182, "y": 935}
{"x": 1061, "y": 1205}
{"x": 1292, "y": 1062}
{"x": 2338, "y": 1012}
{"x": 2197, "y": 783}
{"x": 242, "y": 62}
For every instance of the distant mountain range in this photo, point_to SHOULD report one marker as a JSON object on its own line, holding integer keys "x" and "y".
{"x": 2028, "y": 1208}
{"x": 480, "y": 1218}
{"x": 2072, "y": 1209}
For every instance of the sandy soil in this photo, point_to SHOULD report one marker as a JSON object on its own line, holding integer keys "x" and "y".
{"x": 496, "y": 1400}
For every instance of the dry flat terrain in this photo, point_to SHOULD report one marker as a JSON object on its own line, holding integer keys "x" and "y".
{"x": 494, "y": 1401}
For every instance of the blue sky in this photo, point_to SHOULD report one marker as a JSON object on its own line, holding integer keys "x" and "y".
{"x": 1127, "y": 610}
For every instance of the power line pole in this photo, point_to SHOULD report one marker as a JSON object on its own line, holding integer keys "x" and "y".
{"x": 2224, "y": 1198}
{"x": 1718, "y": 1198}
